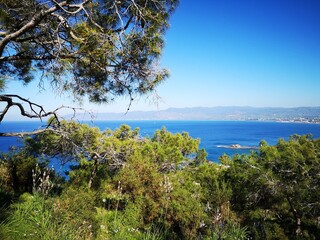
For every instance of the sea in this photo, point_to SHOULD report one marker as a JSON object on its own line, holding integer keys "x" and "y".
{"x": 213, "y": 135}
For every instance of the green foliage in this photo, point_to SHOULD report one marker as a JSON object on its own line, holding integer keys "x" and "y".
{"x": 128, "y": 187}
{"x": 34, "y": 217}
{"x": 278, "y": 189}
{"x": 229, "y": 231}
{"x": 16, "y": 169}
{"x": 102, "y": 49}
{"x": 5, "y": 176}
{"x": 2, "y": 84}
{"x": 74, "y": 211}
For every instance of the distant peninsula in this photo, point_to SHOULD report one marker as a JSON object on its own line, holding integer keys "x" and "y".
{"x": 276, "y": 114}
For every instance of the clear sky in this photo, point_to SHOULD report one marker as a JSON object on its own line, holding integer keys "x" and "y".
{"x": 261, "y": 53}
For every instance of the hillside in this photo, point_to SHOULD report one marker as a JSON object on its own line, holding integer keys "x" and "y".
{"x": 298, "y": 114}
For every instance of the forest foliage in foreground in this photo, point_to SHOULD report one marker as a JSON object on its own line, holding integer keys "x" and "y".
{"x": 159, "y": 187}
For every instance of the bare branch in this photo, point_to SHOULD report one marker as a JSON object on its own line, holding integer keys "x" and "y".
{"x": 66, "y": 25}
{"x": 123, "y": 28}
{"x": 42, "y": 57}
{"x": 8, "y": 98}
{"x": 2, "y": 34}
{"x": 79, "y": 6}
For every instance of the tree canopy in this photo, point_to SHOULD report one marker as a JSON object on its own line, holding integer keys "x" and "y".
{"x": 123, "y": 186}
{"x": 96, "y": 48}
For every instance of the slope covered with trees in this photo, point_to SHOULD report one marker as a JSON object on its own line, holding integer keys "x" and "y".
{"x": 127, "y": 187}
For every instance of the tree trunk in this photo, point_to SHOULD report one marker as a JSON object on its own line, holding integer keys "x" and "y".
{"x": 296, "y": 217}
{"x": 94, "y": 171}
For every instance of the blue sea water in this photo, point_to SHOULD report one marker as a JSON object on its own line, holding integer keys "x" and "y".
{"x": 211, "y": 133}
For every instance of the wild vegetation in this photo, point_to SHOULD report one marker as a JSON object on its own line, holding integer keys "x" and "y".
{"x": 124, "y": 186}
{"x": 160, "y": 187}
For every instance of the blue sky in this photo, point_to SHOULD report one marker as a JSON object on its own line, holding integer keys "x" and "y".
{"x": 230, "y": 53}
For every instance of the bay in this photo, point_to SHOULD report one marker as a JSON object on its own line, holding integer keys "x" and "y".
{"x": 212, "y": 134}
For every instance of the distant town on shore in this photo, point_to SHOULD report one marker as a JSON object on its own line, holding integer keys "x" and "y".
{"x": 274, "y": 114}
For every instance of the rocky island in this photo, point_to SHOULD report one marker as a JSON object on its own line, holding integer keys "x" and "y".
{"x": 238, "y": 146}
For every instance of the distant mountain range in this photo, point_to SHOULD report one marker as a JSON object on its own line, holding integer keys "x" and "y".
{"x": 297, "y": 114}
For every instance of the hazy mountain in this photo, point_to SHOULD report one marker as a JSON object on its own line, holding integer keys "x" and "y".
{"x": 218, "y": 113}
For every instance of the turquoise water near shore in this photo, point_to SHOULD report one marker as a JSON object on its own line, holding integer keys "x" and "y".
{"x": 212, "y": 134}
